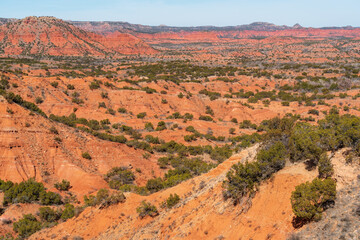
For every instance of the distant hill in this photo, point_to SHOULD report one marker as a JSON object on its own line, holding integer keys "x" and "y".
{"x": 52, "y": 36}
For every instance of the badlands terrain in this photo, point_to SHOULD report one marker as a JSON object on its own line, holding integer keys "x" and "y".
{"x": 111, "y": 130}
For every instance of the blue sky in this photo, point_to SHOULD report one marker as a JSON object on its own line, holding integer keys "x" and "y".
{"x": 314, "y": 13}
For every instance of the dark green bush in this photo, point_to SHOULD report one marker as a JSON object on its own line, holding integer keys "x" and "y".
{"x": 121, "y": 110}
{"x": 27, "y": 226}
{"x": 48, "y": 214}
{"x": 86, "y": 155}
{"x": 205, "y": 118}
{"x": 154, "y": 185}
{"x": 309, "y": 200}
{"x": 244, "y": 179}
{"x": 24, "y": 192}
{"x": 68, "y": 212}
{"x": 50, "y": 198}
{"x": 119, "y": 176}
{"x": 141, "y": 115}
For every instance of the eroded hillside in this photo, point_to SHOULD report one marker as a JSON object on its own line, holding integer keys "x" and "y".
{"x": 209, "y": 119}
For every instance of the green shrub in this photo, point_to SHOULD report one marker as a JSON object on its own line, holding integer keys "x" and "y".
{"x": 54, "y": 84}
{"x": 54, "y": 130}
{"x": 49, "y": 215}
{"x": 161, "y": 126}
{"x": 64, "y": 185}
{"x": 94, "y": 85}
{"x": 119, "y": 176}
{"x": 147, "y": 209}
{"x": 102, "y": 105}
{"x": 39, "y": 100}
{"x": 141, "y": 115}
{"x": 325, "y": 167}
{"x": 68, "y": 212}
{"x": 309, "y": 200}
{"x": 232, "y": 131}
{"x": 154, "y": 185}
{"x": 313, "y": 112}
{"x": 24, "y": 192}
{"x": 111, "y": 111}
{"x": 70, "y": 87}
{"x": 86, "y": 155}
{"x": 27, "y": 226}
{"x": 121, "y": 110}
{"x": 50, "y": 198}
{"x": 205, "y": 118}
{"x": 149, "y": 126}
{"x": 305, "y": 143}
{"x": 244, "y": 179}
{"x": 209, "y": 111}
{"x": 172, "y": 200}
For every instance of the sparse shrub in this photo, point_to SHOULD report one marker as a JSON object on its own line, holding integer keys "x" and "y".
{"x": 64, "y": 185}
{"x": 102, "y": 105}
{"x": 172, "y": 200}
{"x": 86, "y": 155}
{"x": 39, "y": 100}
{"x": 247, "y": 124}
{"x": 110, "y": 111}
{"x": 70, "y": 87}
{"x": 161, "y": 126}
{"x": 147, "y": 209}
{"x": 141, "y": 115}
{"x": 54, "y": 84}
{"x": 149, "y": 127}
{"x": 121, "y": 110}
{"x": 325, "y": 167}
{"x": 54, "y": 130}
{"x": 94, "y": 85}
{"x": 232, "y": 130}
{"x": 313, "y": 112}
{"x": 104, "y": 95}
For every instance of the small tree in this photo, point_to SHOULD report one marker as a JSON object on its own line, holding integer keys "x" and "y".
{"x": 309, "y": 200}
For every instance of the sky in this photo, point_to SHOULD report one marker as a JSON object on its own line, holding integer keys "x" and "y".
{"x": 308, "y": 13}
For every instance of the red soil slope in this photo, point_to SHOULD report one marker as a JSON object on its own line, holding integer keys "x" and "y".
{"x": 201, "y": 214}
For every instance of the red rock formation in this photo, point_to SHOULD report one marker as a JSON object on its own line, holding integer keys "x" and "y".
{"x": 51, "y": 36}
